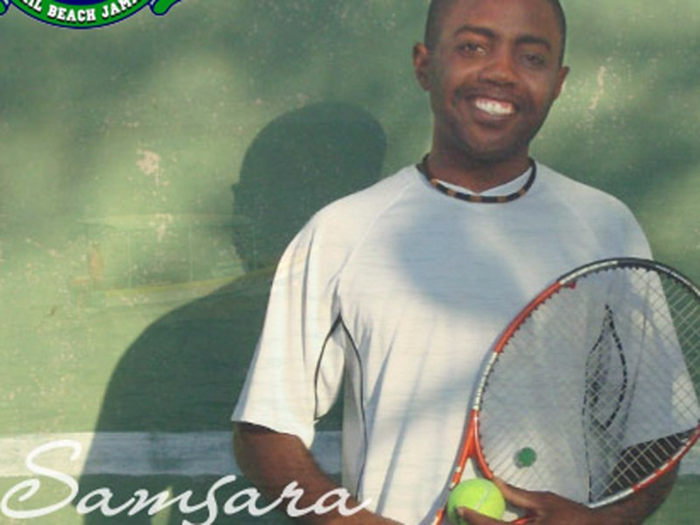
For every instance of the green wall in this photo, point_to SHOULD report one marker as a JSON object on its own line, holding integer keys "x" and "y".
{"x": 133, "y": 278}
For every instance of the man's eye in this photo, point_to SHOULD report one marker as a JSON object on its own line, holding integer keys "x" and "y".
{"x": 534, "y": 59}
{"x": 471, "y": 48}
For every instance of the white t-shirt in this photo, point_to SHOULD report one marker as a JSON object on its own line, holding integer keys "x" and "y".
{"x": 402, "y": 290}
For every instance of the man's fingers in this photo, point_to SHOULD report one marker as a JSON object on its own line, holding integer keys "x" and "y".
{"x": 540, "y": 505}
{"x": 474, "y": 518}
{"x": 522, "y": 498}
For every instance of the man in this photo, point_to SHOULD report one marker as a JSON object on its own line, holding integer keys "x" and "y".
{"x": 403, "y": 287}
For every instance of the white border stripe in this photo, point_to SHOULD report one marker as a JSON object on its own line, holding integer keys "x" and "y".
{"x": 143, "y": 454}
{"x": 146, "y": 454}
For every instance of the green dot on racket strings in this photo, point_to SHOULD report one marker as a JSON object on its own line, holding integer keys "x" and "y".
{"x": 525, "y": 457}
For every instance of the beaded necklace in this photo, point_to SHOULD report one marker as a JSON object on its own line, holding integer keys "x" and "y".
{"x": 485, "y": 199}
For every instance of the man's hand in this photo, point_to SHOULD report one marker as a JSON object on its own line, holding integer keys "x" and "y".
{"x": 546, "y": 508}
{"x": 542, "y": 508}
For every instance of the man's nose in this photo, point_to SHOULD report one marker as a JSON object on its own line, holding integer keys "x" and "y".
{"x": 500, "y": 68}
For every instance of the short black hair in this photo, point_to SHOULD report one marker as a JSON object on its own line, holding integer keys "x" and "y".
{"x": 439, "y": 7}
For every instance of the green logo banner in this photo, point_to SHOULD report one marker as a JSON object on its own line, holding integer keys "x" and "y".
{"x": 85, "y": 14}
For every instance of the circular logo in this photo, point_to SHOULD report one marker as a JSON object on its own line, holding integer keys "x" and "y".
{"x": 85, "y": 14}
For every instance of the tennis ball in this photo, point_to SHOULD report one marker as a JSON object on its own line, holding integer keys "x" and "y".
{"x": 480, "y": 495}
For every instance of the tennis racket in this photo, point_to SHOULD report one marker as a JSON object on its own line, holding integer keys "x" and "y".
{"x": 592, "y": 390}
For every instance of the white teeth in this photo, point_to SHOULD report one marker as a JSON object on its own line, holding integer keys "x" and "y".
{"x": 495, "y": 108}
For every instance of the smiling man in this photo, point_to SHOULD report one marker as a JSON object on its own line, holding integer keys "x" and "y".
{"x": 493, "y": 70}
{"x": 402, "y": 289}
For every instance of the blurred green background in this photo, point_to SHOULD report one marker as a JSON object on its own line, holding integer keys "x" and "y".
{"x": 151, "y": 171}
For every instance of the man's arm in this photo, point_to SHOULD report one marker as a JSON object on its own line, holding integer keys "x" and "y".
{"x": 271, "y": 461}
{"x": 546, "y": 508}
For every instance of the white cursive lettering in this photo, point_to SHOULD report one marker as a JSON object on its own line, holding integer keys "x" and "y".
{"x": 31, "y": 486}
{"x": 100, "y": 500}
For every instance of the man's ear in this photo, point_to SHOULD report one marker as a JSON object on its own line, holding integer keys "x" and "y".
{"x": 561, "y": 80}
{"x": 421, "y": 65}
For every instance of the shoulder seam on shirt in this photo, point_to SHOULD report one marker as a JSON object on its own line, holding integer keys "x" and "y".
{"x": 371, "y": 224}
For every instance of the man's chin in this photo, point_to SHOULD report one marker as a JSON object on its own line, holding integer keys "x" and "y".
{"x": 485, "y": 145}
{"x": 494, "y": 154}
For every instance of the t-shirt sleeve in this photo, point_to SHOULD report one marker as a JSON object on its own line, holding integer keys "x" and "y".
{"x": 664, "y": 401}
{"x": 656, "y": 369}
{"x": 293, "y": 379}
{"x": 635, "y": 241}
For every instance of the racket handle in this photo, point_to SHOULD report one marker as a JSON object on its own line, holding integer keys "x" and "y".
{"x": 438, "y": 517}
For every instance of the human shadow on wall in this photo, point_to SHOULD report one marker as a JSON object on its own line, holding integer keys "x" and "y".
{"x": 172, "y": 393}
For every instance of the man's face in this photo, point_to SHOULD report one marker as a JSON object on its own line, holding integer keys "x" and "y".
{"x": 492, "y": 76}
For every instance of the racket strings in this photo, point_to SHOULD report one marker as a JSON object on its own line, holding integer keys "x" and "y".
{"x": 637, "y": 462}
{"x": 606, "y": 359}
{"x": 525, "y": 404}
{"x": 663, "y": 323}
{"x": 599, "y": 384}
{"x": 606, "y": 386}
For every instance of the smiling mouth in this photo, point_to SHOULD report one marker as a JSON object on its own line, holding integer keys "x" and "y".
{"x": 494, "y": 108}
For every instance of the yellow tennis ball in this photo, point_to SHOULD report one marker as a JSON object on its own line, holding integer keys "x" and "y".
{"x": 480, "y": 495}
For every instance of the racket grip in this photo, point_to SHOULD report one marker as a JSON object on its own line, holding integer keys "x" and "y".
{"x": 438, "y": 517}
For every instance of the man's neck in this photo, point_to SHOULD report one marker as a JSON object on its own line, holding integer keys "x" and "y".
{"x": 475, "y": 175}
